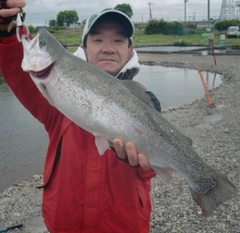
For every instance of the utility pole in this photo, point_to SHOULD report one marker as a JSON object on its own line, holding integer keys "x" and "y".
{"x": 211, "y": 35}
{"x": 209, "y": 28}
{"x": 150, "y": 11}
{"x": 185, "y": 15}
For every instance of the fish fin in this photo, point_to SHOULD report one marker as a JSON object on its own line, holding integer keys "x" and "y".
{"x": 138, "y": 90}
{"x": 102, "y": 144}
{"x": 187, "y": 136}
{"x": 42, "y": 89}
{"x": 164, "y": 172}
{"x": 209, "y": 201}
{"x": 188, "y": 139}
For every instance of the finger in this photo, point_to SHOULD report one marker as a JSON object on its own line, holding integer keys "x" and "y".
{"x": 16, "y": 4}
{"x": 132, "y": 154}
{"x": 118, "y": 146}
{"x": 9, "y": 12}
{"x": 143, "y": 162}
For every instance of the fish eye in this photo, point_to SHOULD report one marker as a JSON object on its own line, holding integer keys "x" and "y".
{"x": 41, "y": 43}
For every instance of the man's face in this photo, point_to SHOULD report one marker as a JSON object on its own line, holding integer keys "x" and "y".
{"x": 107, "y": 47}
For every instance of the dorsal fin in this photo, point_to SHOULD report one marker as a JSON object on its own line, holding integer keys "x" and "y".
{"x": 138, "y": 90}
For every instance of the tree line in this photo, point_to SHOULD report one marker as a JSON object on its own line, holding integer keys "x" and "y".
{"x": 70, "y": 17}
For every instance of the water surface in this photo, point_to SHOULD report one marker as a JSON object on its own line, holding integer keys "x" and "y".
{"x": 168, "y": 48}
{"x": 175, "y": 87}
{"x": 23, "y": 141}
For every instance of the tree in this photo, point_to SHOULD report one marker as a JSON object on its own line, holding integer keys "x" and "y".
{"x": 67, "y": 17}
{"x": 31, "y": 29}
{"x": 84, "y": 22}
{"x": 125, "y": 8}
{"x": 52, "y": 23}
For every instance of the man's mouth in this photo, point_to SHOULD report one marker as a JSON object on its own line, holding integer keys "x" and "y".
{"x": 107, "y": 59}
{"x": 43, "y": 74}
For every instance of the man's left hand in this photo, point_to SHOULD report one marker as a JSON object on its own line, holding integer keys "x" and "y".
{"x": 10, "y": 8}
{"x": 130, "y": 153}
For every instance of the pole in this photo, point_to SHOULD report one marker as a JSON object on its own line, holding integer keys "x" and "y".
{"x": 213, "y": 52}
{"x": 209, "y": 100}
{"x": 209, "y": 15}
{"x": 209, "y": 27}
{"x": 150, "y": 10}
{"x": 185, "y": 15}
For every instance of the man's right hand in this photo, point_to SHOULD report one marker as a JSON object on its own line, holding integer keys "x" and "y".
{"x": 13, "y": 7}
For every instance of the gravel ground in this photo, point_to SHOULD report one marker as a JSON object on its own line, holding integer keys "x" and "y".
{"x": 217, "y": 141}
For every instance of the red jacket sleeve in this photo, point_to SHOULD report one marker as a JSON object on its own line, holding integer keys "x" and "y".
{"x": 20, "y": 82}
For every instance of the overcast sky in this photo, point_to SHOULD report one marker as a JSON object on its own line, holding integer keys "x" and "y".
{"x": 39, "y": 12}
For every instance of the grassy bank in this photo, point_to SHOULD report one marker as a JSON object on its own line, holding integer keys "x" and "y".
{"x": 72, "y": 38}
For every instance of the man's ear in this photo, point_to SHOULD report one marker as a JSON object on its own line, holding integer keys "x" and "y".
{"x": 130, "y": 51}
{"x": 84, "y": 50}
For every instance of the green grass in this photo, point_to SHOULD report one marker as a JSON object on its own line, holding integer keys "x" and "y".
{"x": 140, "y": 39}
{"x": 69, "y": 36}
{"x": 72, "y": 38}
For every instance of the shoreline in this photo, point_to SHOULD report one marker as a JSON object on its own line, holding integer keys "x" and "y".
{"x": 216, "y": 141}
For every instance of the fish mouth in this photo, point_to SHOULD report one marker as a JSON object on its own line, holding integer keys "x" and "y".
{"x": 42, "y": 74}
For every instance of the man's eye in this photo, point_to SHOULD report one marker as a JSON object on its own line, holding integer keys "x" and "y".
{"x": 119, "y": 41}
{"x": 97, "y": 40}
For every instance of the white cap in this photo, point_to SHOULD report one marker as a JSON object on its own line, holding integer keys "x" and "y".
{"x": 114, "y": 15}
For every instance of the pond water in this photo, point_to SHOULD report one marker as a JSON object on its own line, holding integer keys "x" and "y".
{"x": 24, "y": 140}
{"x": 174, "y": 86}
{"x": 204, "y": 50}
{"x": 168, "y": 48}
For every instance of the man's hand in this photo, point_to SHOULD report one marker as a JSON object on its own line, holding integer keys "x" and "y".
{"x": 13, "y": 7}
{"x": 130, "y": 153}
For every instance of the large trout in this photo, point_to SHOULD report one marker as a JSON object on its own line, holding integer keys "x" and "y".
{"x": 110, "y": 108}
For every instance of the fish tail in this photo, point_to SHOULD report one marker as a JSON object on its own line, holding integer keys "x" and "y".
{"x": 209, "y": 201}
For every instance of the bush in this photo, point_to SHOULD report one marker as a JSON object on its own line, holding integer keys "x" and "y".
{"x": 53, "y": 30}
{"x": 191, "y": 31}
{"x": 155, "y": 27}
{"x": 182, "y": 43}
{"x": 225, "y": 24}
{"x": 163, "y": 27}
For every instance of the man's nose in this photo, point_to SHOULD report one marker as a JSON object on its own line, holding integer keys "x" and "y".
{"x": 108, "y": 47}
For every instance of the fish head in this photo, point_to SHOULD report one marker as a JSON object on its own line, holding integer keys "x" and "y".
{"x": 36, "y": 57}
{"x": 40, "y": 54}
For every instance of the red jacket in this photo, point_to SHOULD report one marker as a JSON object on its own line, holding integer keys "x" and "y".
{"x": 82, "y": 191}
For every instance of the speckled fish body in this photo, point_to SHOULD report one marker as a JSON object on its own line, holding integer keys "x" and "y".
{"x": 107, "y": 108}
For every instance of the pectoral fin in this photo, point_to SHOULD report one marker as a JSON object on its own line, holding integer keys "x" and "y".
{"x": 101, "y": 144}
{"x": 164, "y": 172}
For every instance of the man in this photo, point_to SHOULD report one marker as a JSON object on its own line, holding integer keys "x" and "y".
{"x": 83, "y": 191}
